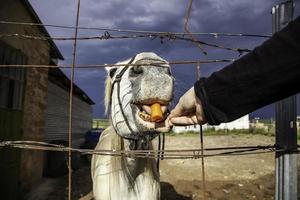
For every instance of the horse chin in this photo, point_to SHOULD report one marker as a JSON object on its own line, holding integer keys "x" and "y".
{"x": 145, "y": 125}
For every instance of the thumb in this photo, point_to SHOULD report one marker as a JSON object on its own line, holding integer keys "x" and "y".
{"x": 177, "y": 111}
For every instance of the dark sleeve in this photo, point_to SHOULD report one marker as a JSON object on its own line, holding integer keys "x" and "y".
{"x": 269, "y": 73}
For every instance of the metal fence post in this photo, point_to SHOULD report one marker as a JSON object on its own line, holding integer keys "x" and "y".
{"x": 286, "y": 129}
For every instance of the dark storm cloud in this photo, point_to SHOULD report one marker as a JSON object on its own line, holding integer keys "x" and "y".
{"x": 247, "y": 16}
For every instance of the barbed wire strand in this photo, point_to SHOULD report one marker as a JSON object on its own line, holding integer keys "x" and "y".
{"x": 179, "y": 62}
{"x": 214, "y": 34}
{"x": 108, "y": 36}
{"x": 30, "y": 142}
{"x": 168, "y": 154}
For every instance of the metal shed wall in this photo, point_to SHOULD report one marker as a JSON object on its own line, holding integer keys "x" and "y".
{"x": 58, "y": 111}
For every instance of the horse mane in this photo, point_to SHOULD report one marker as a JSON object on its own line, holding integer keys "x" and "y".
{"x": 108, "y": 87}
{"x": 108, "y": 91}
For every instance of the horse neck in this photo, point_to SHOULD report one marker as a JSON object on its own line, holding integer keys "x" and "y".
{"x": 134, "y": 160}
{"x": 135, "y": 165}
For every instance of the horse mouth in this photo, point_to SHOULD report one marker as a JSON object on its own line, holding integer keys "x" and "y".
{"x": 146, "y": 113}
{"x": 147, "y": 118}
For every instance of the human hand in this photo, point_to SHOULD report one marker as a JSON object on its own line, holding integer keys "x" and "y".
{"x": 188, "y": 111}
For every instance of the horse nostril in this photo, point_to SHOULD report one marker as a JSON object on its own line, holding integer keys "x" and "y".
{"x": 137, "y": 69}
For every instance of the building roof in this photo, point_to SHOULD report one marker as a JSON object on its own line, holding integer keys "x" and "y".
{"x": 55, "y": 74}
{"x": 55, "y": 53}
{"x": 59, "y": 78}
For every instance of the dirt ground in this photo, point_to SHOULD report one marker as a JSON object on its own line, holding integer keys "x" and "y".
{"x": 232, "y": 177}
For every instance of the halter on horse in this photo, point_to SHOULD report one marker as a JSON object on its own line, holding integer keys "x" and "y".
{"x": 137, "y": 140}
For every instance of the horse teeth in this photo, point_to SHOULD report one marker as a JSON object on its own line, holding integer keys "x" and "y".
{"x": 144, "y": 116}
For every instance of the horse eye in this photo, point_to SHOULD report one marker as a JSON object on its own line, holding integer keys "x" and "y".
{"x": 137, "y": 69}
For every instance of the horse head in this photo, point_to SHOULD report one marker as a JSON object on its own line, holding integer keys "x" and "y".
{"x": 138, "y": 95}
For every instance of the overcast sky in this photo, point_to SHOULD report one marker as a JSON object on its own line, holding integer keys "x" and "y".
{"x": 237, "y": 16}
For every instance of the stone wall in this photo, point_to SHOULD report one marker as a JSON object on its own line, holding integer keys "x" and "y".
{"x": 37, "y": 52}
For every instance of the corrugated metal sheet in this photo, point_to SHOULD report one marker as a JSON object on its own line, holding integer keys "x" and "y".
{"x": 58, "y": 112}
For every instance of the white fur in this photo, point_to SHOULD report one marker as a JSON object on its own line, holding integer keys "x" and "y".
{"x": 120, "y": 178}
{"x": 115, "y": 177}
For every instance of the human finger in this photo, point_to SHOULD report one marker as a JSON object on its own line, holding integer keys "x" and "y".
{"x": 177, "y": 111}
{"x": 184, "y": 120}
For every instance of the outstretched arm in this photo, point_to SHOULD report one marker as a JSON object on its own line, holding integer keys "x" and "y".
{"x": 269, "y": 73}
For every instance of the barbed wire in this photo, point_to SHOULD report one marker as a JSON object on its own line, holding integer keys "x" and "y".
{"x": 214, "y": 34}
{"x": 83, "y": 66}
{"x": 107, "y": 36}
{"x": 168, "y": 154}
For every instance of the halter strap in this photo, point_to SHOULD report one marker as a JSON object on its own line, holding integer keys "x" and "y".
{"x": 135, "y": 139}
{"x": 118, "y": 80}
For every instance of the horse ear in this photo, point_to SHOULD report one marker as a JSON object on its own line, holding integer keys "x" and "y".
{"x": 111, "y": 71}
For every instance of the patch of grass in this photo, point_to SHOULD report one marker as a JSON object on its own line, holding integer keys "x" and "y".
{"x": 213, "y": 132}
{"x": 101, "y": 123}
{"x": 104, "y": 123}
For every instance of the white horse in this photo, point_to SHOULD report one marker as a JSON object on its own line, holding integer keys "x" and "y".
{"x": 134, "y": 94}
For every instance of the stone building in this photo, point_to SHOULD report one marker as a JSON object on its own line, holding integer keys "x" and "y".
{"x": 27, "y": 98}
